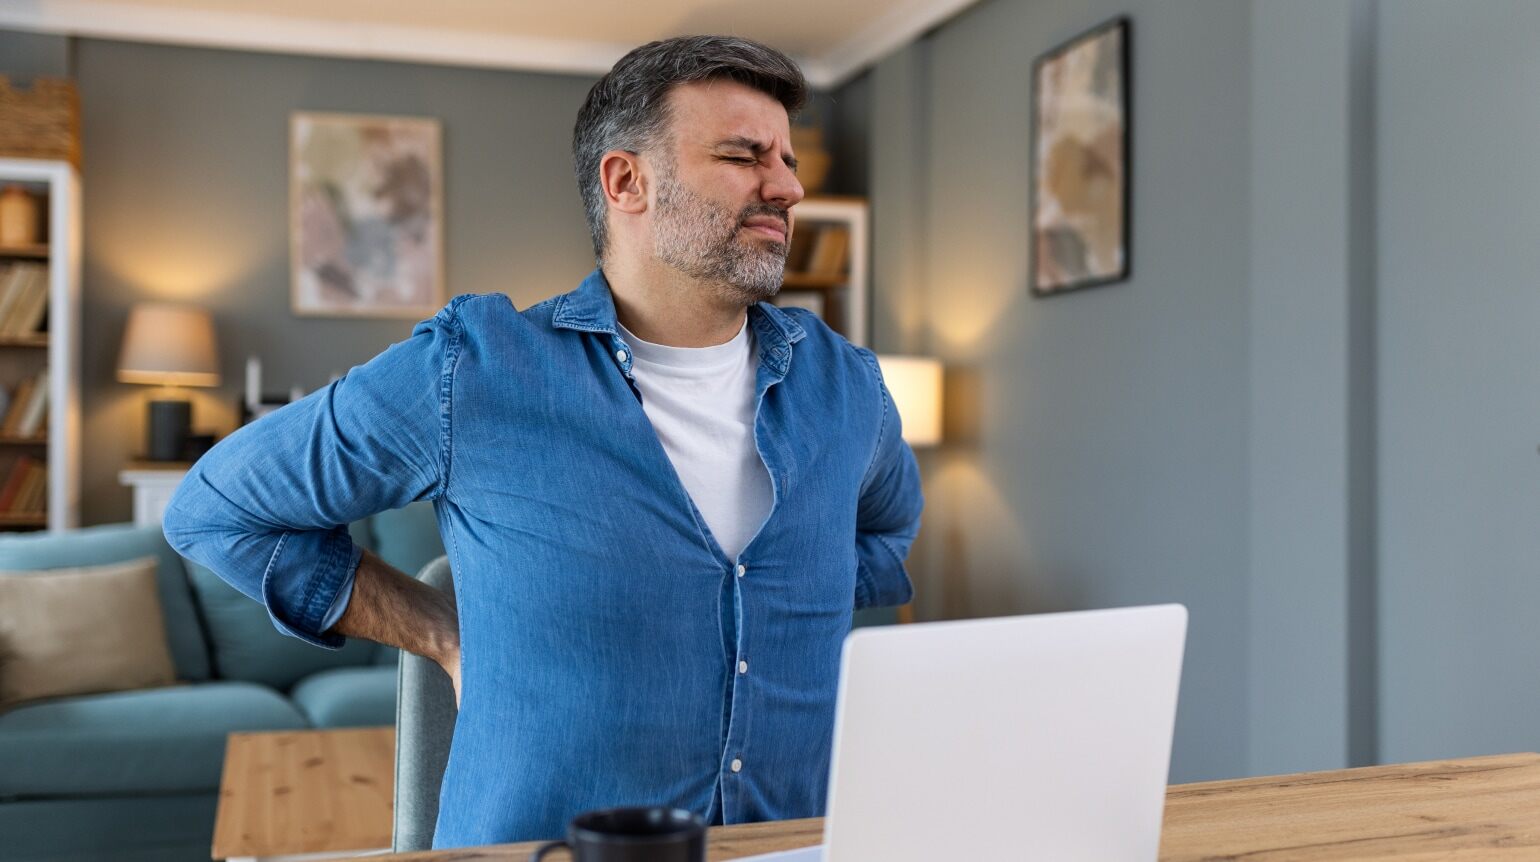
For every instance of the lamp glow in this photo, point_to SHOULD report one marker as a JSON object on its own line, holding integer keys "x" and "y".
{"x": 915, "y": 384}
{"x": 169, "y": 345}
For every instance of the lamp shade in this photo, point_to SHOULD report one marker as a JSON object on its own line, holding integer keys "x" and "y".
{"x": 169, "y": 345}
{"x": 915, "y": 383}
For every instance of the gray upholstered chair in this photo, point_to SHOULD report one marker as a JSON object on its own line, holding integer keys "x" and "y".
{"x": 425, "y": 724}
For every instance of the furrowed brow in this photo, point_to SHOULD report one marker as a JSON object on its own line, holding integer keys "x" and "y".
{"x": 740, "y": 142}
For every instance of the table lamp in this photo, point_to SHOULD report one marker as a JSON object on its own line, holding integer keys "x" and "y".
{"x": 168, "y": 345}
{"x": 915, "y": 384}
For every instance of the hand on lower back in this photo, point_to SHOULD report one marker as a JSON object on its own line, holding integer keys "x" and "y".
{"x": 391, "y": 607}
{"x": 451, "y": 666}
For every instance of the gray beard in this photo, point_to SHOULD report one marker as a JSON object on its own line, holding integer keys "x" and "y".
{"x": 701, "y": 240}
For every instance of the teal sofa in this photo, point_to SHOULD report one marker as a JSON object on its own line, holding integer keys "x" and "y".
{"x": 134, "y": 776}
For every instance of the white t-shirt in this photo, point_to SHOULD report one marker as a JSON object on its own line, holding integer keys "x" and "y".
{"x": 700, "y": 401}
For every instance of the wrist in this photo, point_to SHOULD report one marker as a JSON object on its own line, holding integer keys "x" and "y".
{"x": 445, "y": 633}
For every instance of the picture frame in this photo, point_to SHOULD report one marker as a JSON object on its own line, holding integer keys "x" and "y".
{"x": 365, "y": 216}
{"x": 1081, "y": 200}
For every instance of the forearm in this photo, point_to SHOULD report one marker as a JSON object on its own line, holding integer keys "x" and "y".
{"x": 887, "y": 517}
{"x": 391, "y": 607}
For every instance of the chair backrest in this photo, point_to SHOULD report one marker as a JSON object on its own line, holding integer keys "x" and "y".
{"x": 425, "y": 724}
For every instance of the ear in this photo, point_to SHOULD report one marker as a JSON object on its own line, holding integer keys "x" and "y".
{"x": 623, "y": 181}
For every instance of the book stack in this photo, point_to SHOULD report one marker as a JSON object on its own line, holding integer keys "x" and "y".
{"x": 26, "y": 412}
{"x": 25, "y": 491}
{"x": 23, "y": 299}
{"x": 831, "y": 249}
{"x": 819, "y": 250}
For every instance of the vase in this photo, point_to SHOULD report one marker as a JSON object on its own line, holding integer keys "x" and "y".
{"x": 18, "y": 217}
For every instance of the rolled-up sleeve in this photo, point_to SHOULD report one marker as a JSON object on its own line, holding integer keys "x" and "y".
{"x": 888, "y": 514}
{"x": 267, "y": 509}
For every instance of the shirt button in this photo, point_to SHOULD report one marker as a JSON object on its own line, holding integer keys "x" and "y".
{"x": 620, "y": 355}
{"x": 743, "y": 667}
{"x": 742, "y": 570}
{"x": 737, "y": 765}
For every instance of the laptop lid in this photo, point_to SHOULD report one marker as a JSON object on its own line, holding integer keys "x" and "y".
{"x": 1035, "y": 737}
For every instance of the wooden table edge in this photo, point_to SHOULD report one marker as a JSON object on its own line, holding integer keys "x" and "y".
{"x": 750, "y": 839}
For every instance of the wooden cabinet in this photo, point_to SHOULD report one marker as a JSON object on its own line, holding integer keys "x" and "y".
{"x": 40, "y": 354}
{"x": 826, "y": 268}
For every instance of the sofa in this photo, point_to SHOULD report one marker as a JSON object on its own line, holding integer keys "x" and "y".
{"x": 134, "y": 775}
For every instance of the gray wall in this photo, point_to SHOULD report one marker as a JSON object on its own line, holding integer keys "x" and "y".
{"x": 185, "y": 198}
{"x": 1107, "y": 462}
{"x": 1311, "y": 504}
{"x": 24, "y": 55}
{"x": 1459, "y": 358}
{"x": 1309, "y": 414}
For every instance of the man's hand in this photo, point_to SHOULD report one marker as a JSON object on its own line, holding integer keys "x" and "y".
{"x": 391, "y": 607}
{"x": 452, "y": 667}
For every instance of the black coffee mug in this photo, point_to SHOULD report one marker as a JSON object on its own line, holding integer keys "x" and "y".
{"x": 633, "y": 835}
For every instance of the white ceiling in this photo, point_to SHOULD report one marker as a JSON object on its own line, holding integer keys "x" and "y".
{"x": 833, "y": 39}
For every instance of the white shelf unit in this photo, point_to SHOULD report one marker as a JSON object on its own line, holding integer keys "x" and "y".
{"x": 60, "y": 185}
{"x": 844, "y": 297}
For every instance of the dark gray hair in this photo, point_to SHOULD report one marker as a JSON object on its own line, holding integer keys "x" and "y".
{"x": 628, "y": 108}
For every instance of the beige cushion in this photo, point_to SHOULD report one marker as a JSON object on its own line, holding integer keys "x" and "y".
{"x": 81, "y": 631}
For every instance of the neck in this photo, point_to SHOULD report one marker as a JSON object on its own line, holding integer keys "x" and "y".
{"x": 664, "y": 306}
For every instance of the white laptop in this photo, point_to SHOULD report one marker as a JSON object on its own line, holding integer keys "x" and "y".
{"x": 1043, "y": 737}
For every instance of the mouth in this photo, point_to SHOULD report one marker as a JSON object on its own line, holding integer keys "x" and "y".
{"x": 768, "y": 232}
{"x": 769, "y": 228}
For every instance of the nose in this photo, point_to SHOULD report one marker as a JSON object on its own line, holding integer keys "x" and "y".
{"x": 782, "y": 187}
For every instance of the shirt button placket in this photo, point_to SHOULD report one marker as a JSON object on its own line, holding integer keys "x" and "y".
{"x": 739, "y": 570}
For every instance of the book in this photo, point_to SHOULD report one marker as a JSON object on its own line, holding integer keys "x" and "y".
{"x": 18, "y": 403}
{"x": 22, "y": 490}
{"x": 13, "y": 483}
{"x": 12, "y": 285}
{"x": 36, "y": 407}
{"x": 28, "y": 498}
{"x": 29, "y": 310}
{"x": 36, "y": 501}
{"x": 801, "y": 248}
{"x": 829, "y": 250}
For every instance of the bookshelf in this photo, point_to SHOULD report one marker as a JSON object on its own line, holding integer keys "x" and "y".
{"x": 827, "y": 265}
{"x": 40, "y": 355}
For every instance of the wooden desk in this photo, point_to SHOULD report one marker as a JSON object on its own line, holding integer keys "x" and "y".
{"x": 1475, "y": 809}
{"x": 321, "y": 793}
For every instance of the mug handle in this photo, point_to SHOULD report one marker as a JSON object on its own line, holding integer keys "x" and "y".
{"x": 546, "y": 848}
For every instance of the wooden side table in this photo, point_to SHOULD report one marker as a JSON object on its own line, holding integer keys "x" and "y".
{"x": 306, "y": 794}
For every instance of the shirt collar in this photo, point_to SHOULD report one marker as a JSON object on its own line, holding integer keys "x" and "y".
{"x": 591, "y": 308}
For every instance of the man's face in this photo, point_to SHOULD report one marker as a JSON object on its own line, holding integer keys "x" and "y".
{"x": 726, "y": 188}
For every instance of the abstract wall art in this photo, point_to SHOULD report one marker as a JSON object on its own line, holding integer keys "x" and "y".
{"x": 1080, "y": 162}
{"x": 365, "y": 216}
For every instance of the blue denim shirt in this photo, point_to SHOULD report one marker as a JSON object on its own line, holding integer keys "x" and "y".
{"x": 611, "y": 653}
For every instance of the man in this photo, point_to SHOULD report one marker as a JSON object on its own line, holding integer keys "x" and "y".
{"x": 661, "y": 496}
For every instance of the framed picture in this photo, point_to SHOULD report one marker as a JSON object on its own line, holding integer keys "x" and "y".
{"x": 1080, "y": 162}
{"x": 365, "y": 216}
